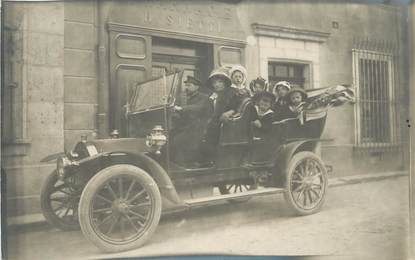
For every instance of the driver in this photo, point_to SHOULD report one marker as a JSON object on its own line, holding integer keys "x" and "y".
{"x": 190, "y": 122}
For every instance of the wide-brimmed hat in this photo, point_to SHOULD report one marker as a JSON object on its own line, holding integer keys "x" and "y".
{"x": 285, "y": 84}
{"x": 237, "y": 68}
{"x": 193, "y": 81}
{"x": 261, "y": 81}
{"x": 297, "y": 89}
{"x": 221, "y": 73}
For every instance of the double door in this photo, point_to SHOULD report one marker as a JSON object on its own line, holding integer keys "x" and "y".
{"x": 192, "y": 58}
{"x": 171, "y": 64}
{"x": 167, "y": 64}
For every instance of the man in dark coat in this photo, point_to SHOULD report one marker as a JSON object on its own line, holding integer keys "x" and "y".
{"x": 190, "y": 120}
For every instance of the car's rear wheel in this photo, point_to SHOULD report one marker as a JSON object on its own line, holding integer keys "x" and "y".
{"x": 120, "y": 208}
{"x": 236, "y": 188}
{"x": 59, "y": 202}
{"x": 306, "y": 183}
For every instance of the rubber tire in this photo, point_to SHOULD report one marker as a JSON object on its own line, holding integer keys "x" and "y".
{"x": 290, "y": 170}
{"x": 89, "y": 191}
{"x": 47, "y": 212}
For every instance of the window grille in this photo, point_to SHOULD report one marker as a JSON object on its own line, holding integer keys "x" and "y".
{"x": 374, "y": 76}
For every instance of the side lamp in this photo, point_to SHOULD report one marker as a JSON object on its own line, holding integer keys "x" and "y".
{"x": 156, "y": 139}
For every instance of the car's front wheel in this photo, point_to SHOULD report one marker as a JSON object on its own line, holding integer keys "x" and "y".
{"x": 59, "y": 203}
{"x": 306, "y": 183}
{"x": 120, "y": 208}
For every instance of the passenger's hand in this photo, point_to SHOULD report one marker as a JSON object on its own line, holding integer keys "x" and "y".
{"x": 177, "y": 108}
{"x": 257, "y": 123}
{"x": 236, "y": 115}
{"x": 226, "y": 116}
{"x": 243, "y": 92}
{"x": 298, "y": 109}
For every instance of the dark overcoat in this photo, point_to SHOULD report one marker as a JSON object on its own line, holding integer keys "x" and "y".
{"x": 189, "y": 127}
{"x": 281, "y": 110}
{"x": 266, "y": 120}
{"x": 224, "y": 101}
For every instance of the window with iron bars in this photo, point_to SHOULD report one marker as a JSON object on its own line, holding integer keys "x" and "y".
{"x": 375, "y": 110}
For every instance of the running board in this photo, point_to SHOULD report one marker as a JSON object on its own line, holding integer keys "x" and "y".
{"x": 251, "y": 193}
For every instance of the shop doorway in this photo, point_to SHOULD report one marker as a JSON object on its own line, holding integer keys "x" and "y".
{"x": 137, "y": 58}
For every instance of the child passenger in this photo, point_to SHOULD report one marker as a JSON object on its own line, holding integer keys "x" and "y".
{"x": 280, "y": 91}
{"x": 257, "y": 86}
{"x": 280, "y": 106}
{"x": 238, "y": 78}
{"x": 262, "y": 114}
{"x": 296, "y": 99}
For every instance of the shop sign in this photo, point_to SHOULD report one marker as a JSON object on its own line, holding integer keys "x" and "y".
{"x": 203, "y": 17}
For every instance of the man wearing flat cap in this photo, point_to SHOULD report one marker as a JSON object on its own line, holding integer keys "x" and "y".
{"x": 190, "y": 122}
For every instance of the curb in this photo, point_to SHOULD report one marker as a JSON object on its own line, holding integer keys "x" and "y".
{"x": 356, "y": 179}
{"x": 38, "y": 219}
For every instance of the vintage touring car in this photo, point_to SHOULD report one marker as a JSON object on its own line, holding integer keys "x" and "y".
{"x": 116, "y": 189}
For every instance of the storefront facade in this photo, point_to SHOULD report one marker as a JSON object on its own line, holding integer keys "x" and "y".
{"x": 310, "y": 45}
{"x": 147, "y": 38}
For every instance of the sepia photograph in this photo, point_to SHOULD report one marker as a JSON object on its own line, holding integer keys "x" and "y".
{"x": 216, "y": 129}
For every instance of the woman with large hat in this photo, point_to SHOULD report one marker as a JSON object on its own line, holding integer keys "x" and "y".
{"x": 219, "y": 82}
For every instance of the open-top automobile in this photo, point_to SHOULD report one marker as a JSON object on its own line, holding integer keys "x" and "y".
{"x": 116, "y": 189}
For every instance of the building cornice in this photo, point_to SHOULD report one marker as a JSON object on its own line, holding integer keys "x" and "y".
{"x": 289, "y": 33}
{"x": 126, "y": 28}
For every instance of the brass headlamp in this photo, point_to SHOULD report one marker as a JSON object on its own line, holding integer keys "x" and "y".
{"x": 157, "y": 139}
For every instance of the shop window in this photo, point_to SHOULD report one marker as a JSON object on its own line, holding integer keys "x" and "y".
{"x": 375, "y": 109}
{"x": 295, "y": 73}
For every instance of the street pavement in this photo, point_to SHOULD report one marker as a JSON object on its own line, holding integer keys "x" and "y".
{"x": 358, "y": 221}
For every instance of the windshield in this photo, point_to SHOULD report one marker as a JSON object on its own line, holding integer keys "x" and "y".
{"x": 154, "y": 94}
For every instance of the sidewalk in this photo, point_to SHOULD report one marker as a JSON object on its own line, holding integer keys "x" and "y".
{"x": 333, "y": 182}
{"x": 347, "y": 180}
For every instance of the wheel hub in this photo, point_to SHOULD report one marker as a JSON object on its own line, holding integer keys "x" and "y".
{"x": 120, "y": 207}
{"x": 308, "y": 181}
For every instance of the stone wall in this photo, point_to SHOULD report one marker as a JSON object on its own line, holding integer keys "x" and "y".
{"x": 36, "y": 73}
{"x": 80, "y": 73}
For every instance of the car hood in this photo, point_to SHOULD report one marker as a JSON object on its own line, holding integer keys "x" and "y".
{"x": 134, "y": 145}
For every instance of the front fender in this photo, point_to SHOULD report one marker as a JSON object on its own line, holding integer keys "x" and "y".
{"x": 141, "y": 160}
{"x": 52, "y": 157}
